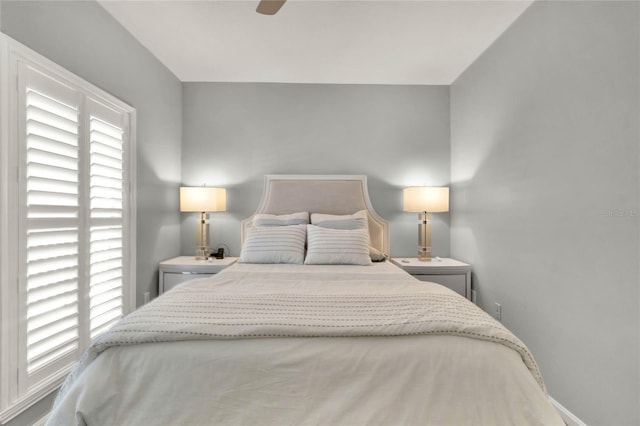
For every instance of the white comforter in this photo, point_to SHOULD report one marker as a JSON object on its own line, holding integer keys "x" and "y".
{"x": 293, "y": 344}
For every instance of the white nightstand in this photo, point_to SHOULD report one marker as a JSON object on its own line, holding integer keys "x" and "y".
{"x": 184, "y": 268}
{"x": 450, "y": 273}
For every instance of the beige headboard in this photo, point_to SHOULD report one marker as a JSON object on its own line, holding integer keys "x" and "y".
{"x": 329, "y": 194}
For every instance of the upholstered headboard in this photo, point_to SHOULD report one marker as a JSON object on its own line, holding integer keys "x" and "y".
{"x": 329, "y": 194}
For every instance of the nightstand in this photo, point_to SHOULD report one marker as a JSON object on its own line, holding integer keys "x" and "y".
{"x": 450, "y": 273}
{"x": 184, "y": 268}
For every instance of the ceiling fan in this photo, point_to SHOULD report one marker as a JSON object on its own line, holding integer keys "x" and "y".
{"x": 269, "y": 7}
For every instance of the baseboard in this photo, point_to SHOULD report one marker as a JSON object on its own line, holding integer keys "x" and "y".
{"x": 569, "y": 418}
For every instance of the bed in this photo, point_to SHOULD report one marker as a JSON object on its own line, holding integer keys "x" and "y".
{"x": 307, "y": 344}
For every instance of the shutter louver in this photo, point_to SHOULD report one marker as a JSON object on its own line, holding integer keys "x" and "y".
{"x": 106, "y": 217}
{"x": 52, "y": 228}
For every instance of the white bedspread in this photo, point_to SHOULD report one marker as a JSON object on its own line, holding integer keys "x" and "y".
{"x": 241, "y": 320}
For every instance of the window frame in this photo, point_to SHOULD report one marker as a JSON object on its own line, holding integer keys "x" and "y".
{"x": 15, "y": 396}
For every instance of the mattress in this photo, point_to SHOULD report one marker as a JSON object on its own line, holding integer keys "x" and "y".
{"x": 306, "y": 344}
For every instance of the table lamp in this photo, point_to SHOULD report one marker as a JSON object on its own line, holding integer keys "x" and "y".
{"x": 425, "y": 200}
{"x": 203, "y": 200}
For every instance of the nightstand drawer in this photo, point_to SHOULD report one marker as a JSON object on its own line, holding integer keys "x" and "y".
{"x": 457, "y": 283}
{"x": 172, "y": 279}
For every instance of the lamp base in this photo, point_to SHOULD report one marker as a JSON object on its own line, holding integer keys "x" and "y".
{"x": 203, "y": 251}
{"x": 424, "y": 237}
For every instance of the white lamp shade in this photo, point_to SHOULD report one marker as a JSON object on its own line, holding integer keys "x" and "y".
{"x": 430, "y": 199}
{"x": 203, "y": 199}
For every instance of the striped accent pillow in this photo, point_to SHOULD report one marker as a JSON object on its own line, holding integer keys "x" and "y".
{"x": 358, "y": 220}
{"x": 274, "y": 244}
{"x": 326, "y": 246}
{"x": 264, "y": 219}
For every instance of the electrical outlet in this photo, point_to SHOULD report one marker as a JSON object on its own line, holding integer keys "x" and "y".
{"x": 147, "y": 297}
{"x": 497, "y": 311}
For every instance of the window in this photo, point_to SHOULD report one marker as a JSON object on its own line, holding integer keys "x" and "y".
{"x": 66, "y": 222}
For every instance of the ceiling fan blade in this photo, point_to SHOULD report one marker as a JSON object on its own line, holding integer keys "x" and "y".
{"x": 270, "y": 7}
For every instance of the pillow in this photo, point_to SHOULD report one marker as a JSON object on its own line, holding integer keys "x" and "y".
{"x": 263, "y": 219}
{"x": 274, "y": 244}
{"x": 326, "y": 246}
{"x": 358, "y": 220}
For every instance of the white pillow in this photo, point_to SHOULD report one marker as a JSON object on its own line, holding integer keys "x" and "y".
{"x": 358, "y": 220}
{"x": 264, "y": 219}
{"x": 326, "y": 246}
{"x": 274, "y": 244}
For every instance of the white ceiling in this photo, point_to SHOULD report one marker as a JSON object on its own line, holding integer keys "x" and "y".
{"x": 317, "y": 41}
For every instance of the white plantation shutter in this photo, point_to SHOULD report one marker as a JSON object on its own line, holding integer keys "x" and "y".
{"x": 106, "y": 193}
{"x": 52, "y": 237}
{"x": 52, "y": 296}
{"x": 66, "y": 220}
{"x": 106, "y": 292}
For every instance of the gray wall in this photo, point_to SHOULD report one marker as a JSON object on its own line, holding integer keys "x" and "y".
{"x": 85, "y": 39}
{"x": 234, "y": 134}
{"x": 544, "y": 169}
